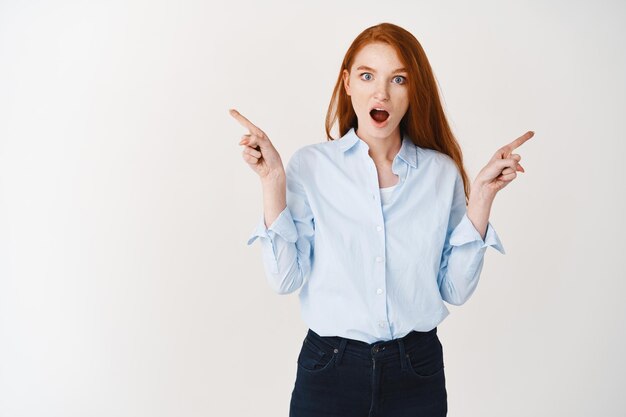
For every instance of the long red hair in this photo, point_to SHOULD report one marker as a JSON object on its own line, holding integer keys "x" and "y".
{"x": 425, "y": 121}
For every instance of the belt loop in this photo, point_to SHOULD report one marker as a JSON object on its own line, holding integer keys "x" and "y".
{"x": 342, "y": 347}
{"x": 402, "y": 354}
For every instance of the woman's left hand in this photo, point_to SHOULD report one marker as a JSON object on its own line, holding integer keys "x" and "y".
{"x": 501, "y": 169}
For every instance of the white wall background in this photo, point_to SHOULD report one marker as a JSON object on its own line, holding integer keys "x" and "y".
{"x": 126, "y": 286}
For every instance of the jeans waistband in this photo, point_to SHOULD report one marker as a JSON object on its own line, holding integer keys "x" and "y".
{"x": 379, "y": 350}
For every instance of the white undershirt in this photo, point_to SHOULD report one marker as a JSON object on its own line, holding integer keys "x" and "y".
{"x": 385, "y": 193}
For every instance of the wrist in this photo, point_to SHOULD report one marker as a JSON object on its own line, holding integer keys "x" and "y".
{"x": 481, "y": 194}
{"x": 275, "y": 177}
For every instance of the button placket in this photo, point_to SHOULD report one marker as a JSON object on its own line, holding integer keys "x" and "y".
{"x": 379, "y": 272}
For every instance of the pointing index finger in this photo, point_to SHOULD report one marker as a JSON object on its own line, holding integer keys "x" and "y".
{"x": 518, "y": 142}
{"x": 245, "y": 122}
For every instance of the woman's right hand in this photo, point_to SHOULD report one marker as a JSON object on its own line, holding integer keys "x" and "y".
{"x": 258, "y": 151}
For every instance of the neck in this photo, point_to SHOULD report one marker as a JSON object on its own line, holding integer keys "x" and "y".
{"x": 382, "y": 149}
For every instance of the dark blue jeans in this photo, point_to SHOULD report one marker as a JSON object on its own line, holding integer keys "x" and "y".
{"x": 339, "y": 377}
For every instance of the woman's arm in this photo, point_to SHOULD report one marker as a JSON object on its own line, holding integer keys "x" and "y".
{"x": 288, "y": 241}
{"x": 286, "y": 226}
{"x": 463, "y": 251}
{"x": 469, "y": 231}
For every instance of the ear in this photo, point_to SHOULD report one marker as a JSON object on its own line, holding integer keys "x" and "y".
{"x": 346, "y": 81}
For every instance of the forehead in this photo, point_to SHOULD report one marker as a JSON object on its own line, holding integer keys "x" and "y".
{"x": 377, "y": 55}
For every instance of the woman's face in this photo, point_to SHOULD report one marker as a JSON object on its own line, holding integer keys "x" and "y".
{"x": 377, "y": 80}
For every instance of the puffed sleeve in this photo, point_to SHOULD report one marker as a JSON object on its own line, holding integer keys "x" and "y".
{"x": 463, "y": 252}
{"x": 287, "y": 244}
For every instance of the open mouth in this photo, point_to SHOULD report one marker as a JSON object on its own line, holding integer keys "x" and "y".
{"x": 379, "y": 115}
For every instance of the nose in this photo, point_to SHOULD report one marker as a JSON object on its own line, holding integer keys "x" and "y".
{"x": 381, "y": 93}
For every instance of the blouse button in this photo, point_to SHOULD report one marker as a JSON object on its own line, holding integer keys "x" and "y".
{"x": 379, "y": 259}
{"x": 379, "y": 228}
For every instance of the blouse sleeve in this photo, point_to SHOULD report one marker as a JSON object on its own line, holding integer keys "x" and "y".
{"x": 463, "y": 252}
{"x": 287, "y": 244}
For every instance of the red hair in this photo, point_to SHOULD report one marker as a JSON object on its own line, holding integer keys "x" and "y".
{"x": 425, "y": 121}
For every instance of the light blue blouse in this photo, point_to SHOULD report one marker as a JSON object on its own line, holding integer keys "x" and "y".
{"x": 367, "y": 270}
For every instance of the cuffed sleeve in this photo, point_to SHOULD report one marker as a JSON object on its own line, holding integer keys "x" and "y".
{"x": 287, "y": 244}
{"x": 463, "y": 251}
{"x": 465, "y": 232}
{"x": 283, "y": 226}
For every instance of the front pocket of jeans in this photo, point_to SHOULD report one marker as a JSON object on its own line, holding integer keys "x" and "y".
{"x": 312, "y": 359}
{"x": 426, "y": 361}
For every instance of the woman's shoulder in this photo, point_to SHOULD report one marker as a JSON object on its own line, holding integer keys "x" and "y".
{"x": 313, "y": 150}
{"x": 311, "y": 155}
{"x": 435, "y": 158}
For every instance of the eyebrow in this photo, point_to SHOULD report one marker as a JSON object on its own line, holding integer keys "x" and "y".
{"x": 365, "y": 67}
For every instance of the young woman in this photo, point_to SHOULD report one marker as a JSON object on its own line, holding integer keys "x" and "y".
{"x": 377, "y": 229}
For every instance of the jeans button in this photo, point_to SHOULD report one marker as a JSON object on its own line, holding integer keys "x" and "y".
{"x": 336, "y": 350}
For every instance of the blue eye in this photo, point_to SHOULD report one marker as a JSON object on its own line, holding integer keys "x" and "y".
{"x": 401, "y": 77}
{"x": 366, "y": 73}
